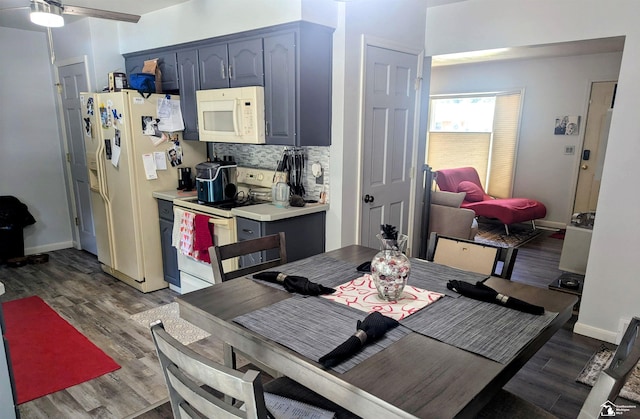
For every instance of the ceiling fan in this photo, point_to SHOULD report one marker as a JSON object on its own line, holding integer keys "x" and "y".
{"x": 49, "y": 13}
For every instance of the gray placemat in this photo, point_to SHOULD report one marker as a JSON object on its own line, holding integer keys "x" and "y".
{"x": 314, "y": 327}
{"x": 321, "y": 269}
{"x": 434, "y": 277}
{"x": 332, "y": 272}
{"x": 490, "y": 330}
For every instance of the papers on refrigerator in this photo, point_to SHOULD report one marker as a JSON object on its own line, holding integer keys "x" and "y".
{"x": 149, "y": 162}
{"x": 170, "y": 115}
{"x": 285, "y": 408}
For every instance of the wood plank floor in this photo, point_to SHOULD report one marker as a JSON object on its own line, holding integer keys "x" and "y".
{"x": 99, "y": 306}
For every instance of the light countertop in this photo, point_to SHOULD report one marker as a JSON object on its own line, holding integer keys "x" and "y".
{"x": 269, "y": 212}
{"x": 259, "y": 212}
{"x": 174, "y": 194}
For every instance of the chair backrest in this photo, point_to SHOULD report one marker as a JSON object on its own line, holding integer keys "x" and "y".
{"x": 612, "y": 379}
{"x": 449, "y": 179}
{"x": 274, "y": 242}
{"x": 185, "y": 371}
{"x": 471, "y": 256}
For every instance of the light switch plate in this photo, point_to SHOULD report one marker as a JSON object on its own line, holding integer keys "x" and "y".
{"x": 569, "y": 149}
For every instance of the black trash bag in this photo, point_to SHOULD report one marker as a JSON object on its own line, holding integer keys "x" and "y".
{"x": 14, "y": 213}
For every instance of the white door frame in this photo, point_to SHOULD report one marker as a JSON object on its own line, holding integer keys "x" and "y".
{"x": 416, "y": 168}
{"x": 65, "y": 141}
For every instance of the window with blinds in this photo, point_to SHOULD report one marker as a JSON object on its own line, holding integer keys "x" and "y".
{"x": 479, "y": 131}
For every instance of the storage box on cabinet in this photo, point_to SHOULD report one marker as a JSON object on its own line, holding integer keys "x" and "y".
{"x": 166, "y": 61}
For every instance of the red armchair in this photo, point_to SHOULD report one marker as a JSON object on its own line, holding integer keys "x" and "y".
{"x": 507, "y": 210}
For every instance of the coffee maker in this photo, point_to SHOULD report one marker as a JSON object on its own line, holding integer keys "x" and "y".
{"x": 216, "y": 181}
{"x": 185, "y": 181}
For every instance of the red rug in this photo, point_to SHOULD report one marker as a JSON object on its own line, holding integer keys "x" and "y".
{"x": 47, "y": 353}
{"x": 559, "y": 234}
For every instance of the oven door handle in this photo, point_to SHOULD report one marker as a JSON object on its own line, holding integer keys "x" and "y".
{"x": 222, "y": 222}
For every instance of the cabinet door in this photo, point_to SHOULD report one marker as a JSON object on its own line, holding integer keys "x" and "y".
{"x": 134, "y": 64}
{"x": 169, "y": 70}
{"x": 189, "y": 82}
{"x": 248, "y": 230}
{"x": 169, "y": 254}
{"x": 246, "y": 63}
{"x": 213, "y": 63}
{"x": 279, "y": 88}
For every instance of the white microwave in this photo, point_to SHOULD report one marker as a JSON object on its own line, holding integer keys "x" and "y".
{"x": 234, "y": 115}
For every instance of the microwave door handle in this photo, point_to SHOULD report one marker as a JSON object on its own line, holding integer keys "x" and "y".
{"x": 236, "y": 117}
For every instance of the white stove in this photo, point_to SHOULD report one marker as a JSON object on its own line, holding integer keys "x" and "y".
{"x": 255, "y": 184}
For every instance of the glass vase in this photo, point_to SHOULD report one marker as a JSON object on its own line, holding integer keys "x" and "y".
{"x": 390, "y": 267}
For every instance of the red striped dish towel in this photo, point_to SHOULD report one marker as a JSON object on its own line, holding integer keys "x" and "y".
{"x": 203, "y": 239}
{"x": 187, "y": 227}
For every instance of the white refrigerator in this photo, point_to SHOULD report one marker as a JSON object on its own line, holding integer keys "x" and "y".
{"x": 128, "y": 157}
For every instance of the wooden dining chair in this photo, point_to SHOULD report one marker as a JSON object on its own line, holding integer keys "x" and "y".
{"x": 272, "y": 248}
{"x": 265, "y": 246}
{"x": 199, "y": 387}
{"x": 603, "y": 394}
{"x": 471, "y": 256}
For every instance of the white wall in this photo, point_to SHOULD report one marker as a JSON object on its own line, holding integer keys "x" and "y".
{"x": 612, "y": 284}
{"x": 376, "y": 21}
{"x": 201, "y": 19}
{"x": 31, "y": 165}
{"x": 552, "y": 87}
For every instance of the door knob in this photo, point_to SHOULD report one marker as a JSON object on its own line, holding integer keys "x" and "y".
{"x": 584, "y": 167}
{"x": 368, "y": 198}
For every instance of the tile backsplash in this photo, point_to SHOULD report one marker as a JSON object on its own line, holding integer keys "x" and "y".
{"x": 268, "y": 156}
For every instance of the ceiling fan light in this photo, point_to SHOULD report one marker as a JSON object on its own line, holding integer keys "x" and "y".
{"x": 45, "y": 14}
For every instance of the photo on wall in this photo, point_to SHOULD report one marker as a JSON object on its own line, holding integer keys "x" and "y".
{"x": 567, "y": 125}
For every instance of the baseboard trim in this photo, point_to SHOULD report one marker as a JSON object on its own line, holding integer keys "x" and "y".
{"x": 48, "y": 248}
{"x": 594, "y": 332}
{"x": 555, "y": 225}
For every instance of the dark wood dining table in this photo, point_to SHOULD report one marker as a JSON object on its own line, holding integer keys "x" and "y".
{"x": 415, "y": 376}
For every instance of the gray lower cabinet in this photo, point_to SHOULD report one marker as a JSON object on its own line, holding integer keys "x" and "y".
{"x": 304, "y": 235}
{"x": 169, "y": 253}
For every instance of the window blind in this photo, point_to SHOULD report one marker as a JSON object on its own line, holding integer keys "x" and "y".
{"x": 491, "y": 154}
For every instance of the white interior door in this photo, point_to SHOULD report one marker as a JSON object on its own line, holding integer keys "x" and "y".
{"x": 594, "y": 146}
{"x": 73, "y": 80}
{"x": 389, "y": 112}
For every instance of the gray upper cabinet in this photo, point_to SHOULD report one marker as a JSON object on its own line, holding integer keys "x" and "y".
{"x": 280, "y": 88}
{"x": 166, "y": 62}
{"x": 292, "y": 61}
{"x": 298, "y": 85}
{"x": 189, "y": 82}
{"x": 214, "y": 67}
{"x": 232, "y": 64}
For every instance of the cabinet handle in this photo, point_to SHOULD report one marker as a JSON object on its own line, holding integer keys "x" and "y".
{"x": 246, "y": 230}
{"x": 222, "y": 72}
{"x": 266, "y": 127}
{"x": 230, "y": 72}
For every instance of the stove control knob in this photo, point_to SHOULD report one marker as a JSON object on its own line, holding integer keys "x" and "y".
{"x": 260, "y": 177}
